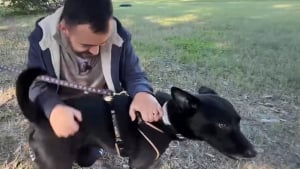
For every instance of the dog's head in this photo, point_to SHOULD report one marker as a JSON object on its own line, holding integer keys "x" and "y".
{"x": 209, "y": 117}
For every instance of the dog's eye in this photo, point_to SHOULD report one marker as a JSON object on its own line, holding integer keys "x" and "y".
{"x": 222, "y": 125}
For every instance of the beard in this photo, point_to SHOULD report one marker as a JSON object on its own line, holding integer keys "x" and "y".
{"x": 82, "y": 54}
{"x": 85, "y": 54}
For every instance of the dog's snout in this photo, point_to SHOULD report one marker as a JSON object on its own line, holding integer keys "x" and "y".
{"x": 250, "y": 153}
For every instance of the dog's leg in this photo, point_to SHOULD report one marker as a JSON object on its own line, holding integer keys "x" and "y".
{"x": 87, "y": 155}
{"x": 143, "y": 157}
{"x": 51, "y": 152}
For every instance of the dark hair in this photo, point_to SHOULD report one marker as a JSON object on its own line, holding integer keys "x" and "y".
{"x": 93, "y": 12}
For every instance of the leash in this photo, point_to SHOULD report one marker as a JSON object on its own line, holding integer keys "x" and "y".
{"x": 106, "y": 93}
{"x": 52, "y": 80}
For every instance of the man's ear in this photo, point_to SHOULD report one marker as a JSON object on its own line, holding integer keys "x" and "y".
{"x": 183, "y": 99}
{"x": 63, "y": 28}
{"x": 206, "y": 90}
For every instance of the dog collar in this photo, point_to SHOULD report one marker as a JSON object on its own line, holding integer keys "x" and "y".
{"x": 165, "y": 117}
{"x": 167, "y": 122}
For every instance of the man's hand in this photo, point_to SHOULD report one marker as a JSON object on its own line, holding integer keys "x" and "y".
{"x": 64, "y": 120}
{"x": 147, "y": 105}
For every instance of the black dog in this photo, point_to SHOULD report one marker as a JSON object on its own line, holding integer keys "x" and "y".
{"x": 204, "y": 116}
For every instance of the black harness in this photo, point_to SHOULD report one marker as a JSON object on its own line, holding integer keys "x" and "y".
{"x": 158, "y": 136}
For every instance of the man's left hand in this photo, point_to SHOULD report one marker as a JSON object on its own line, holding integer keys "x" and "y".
{"x": 147, "y": 105}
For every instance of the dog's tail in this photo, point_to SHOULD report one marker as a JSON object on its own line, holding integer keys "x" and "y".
{"x": 23, "y": 83}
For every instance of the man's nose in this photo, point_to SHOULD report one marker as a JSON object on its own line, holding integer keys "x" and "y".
{"x": 94, "y": 50}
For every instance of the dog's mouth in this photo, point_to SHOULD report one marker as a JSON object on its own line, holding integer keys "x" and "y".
{"x": 230, "y": 156}
{"x": 238, "y": 156}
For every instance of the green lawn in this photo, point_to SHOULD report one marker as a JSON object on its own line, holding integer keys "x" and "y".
{"x": 250, "y": 44}
{"x": 254, "y": 45}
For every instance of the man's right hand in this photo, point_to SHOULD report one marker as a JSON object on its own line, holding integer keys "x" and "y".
{"x": 64, "y": 120}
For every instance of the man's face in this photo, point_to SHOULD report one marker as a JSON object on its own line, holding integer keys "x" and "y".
{"x": 83, "y": 41}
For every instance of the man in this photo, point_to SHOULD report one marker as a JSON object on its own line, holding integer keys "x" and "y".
{"x": 83, "y": 43}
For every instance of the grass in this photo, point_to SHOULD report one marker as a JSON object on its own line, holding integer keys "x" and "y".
{"x": 244, "y": 49}
{"x": 255, "y": 49}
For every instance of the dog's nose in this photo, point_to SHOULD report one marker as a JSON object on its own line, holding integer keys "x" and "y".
{"x": 250, "y": 153}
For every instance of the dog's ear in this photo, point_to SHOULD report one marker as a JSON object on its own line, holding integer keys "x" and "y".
{"x": 206, "y": 90}
{"x": 183, "y": 99}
